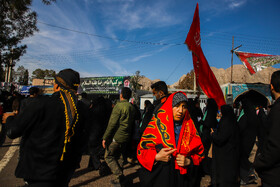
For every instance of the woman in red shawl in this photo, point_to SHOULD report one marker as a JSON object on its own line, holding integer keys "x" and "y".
{"x": 169, "y": 145}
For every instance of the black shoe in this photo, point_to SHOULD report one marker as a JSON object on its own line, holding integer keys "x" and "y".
{"x": 119, "y": 182}
{"x": 116, "y": 182}
{"x": 104, "y": 169}
{"x": 249, "y": 180}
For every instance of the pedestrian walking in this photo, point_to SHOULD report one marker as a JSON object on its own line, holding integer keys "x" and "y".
{"x": 267, "y": 162}
{"x": 169, "y": 145}
{"x": 209, "y": 121}
{"x": 225, "y": 155}
{"x": 52, "y": 131}
{"x": 248, "y": 125}
{"x": 160, "y": 93}
{"x": 117, "y": 135}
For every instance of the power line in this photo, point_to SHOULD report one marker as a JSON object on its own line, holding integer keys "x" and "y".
{"x": 180, "y": 62}
{"x": 241, "y": 35}
{"x": 109, "y": 38}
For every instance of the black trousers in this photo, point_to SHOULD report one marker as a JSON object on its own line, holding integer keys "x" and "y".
{"x": 164, "y": 174}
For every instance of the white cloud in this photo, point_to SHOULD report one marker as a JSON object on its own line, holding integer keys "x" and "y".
{"x": 135, "y": 59}
{"x": 221, "y": 6}
{"x": 131, "y": 15}
{"x": 52, "y": 47}
{"x": 233, "y": 4}
{"x": 114, "y": 67}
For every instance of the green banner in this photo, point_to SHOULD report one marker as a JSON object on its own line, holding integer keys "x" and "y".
{"x": 104, "y": 85}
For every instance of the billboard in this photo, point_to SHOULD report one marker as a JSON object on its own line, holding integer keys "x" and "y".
{"x": 104, "y": 85}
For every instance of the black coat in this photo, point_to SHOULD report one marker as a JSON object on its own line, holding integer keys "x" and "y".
{"x": 267, "y": 163}
{"x": 262, "y": 130}
{"x": 248, "y": 126}
{"x": 225, "y": 149}
{"x": 147, "y": 116}
{"x": 99, "y": 117}
{"x": 25, "y": 102}
{"x": 195, "y": 113}
{"x": 209, "y": 122}
{"x": 42, "y": 127}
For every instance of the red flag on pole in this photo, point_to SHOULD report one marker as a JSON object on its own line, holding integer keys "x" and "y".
{"x": 255, "y": 62}
{"x": 204, "y": 75}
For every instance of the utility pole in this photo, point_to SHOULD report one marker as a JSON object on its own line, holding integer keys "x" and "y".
{"x": 194, "y": 82}
{"x": 231, "y": 69}
{"x": 232, "y": 51}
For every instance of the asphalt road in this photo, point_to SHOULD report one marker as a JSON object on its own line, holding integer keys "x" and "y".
{"x": 9, "y": 152}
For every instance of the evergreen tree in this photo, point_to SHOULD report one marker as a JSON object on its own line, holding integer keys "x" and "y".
{"x": 135, "y": 79}
{"x": 26, "y": 77}
{"x": 41, "y": 74}
{"x": 17, "y": 21}
{"x": 135, "y": 85}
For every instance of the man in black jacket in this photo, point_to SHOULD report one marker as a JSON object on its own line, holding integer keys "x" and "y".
{"x": 53, "y": 134}
{"x": 267, "y": 163}
{"x": 160, "y": 93}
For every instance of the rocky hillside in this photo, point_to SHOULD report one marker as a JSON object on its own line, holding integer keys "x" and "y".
{"x": 240, "y": 75}
{"x": 146, "y": 83}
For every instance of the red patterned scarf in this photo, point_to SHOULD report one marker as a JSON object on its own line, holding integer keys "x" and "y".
{"x": 160, "y": 130}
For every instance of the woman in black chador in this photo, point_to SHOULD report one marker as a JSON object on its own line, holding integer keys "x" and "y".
{"x": 225, "y": 150}
{"x": 99, "y": 116}
{"x": 209, "y": 121}
{"x": 247, "y": 123}
{"x": 262, "y": 129}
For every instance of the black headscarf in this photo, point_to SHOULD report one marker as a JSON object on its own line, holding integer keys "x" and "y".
{"x": 212, "y": 105}
{"x": 68, "y": 81}
{"x": 227, "y": 112}
{"x": 212, "y": 109}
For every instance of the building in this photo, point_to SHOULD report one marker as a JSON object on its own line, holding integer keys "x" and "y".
{"x": 191, "y": 94}
{"x": 259, "y": 93}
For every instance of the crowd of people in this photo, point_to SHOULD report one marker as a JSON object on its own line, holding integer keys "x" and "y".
{"x": 175, "y": 142}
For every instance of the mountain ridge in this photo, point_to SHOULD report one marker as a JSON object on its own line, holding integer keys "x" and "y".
{"x": 223, "y": 76}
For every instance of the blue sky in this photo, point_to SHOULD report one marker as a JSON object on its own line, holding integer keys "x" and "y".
{"x": 119, "y": 37}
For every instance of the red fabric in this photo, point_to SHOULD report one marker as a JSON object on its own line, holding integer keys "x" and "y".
{"x": 246, "y": 63}
{"x": 204, "y": 75}
{"x": 160, "y": 130}
{"x": 244, "y": 56}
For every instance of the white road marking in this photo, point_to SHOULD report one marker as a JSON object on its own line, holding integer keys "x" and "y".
{"x": 10, "y": 153}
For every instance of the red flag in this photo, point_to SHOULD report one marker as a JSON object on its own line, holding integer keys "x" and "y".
{"x": 255, "y": 62}
{"x": 204, "y": 75}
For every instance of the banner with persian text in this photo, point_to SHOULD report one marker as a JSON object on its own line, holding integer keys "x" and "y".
{"x": 104, "y": 85}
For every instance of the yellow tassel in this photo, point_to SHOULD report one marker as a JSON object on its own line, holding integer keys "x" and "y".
{"x": 67, "y": 137}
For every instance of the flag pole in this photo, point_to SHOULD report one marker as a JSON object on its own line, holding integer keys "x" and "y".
{"x": 232, "y": 51}
{"x": 231, "y": 69}
{"x": 194, "y": 82}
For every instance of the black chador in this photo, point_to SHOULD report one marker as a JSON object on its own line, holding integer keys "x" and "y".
{"x": 225, "y": 150}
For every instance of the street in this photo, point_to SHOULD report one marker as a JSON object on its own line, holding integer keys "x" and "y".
{"x": 9, "y": 153}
